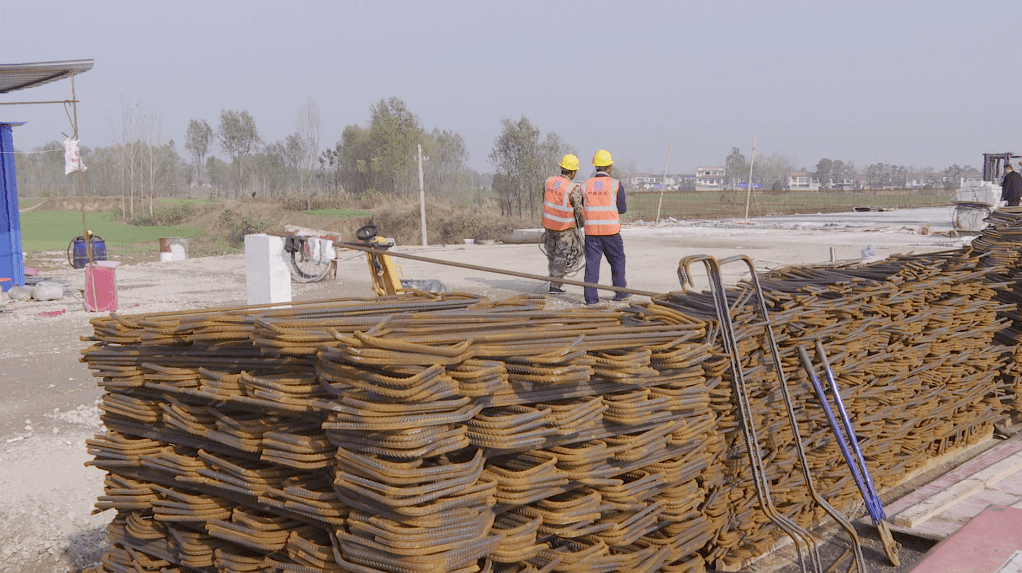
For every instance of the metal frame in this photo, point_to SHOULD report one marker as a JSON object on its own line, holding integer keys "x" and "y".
{"x": 58, "y": 71}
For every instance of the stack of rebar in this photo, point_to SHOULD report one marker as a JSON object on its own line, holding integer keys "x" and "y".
{"x": 911, "y": 342}
{"x": 1000, "y": 247}
{"x": 449, "y": 433}
{"x": 429, "y": 434}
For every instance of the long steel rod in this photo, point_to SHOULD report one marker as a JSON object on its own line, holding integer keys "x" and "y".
{"x": 469, "y": 266}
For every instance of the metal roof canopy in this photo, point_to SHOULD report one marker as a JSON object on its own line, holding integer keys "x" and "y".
{"x": 15, "y": 77}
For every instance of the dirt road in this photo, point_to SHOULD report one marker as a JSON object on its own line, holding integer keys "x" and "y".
{"x": 49, "y": 398}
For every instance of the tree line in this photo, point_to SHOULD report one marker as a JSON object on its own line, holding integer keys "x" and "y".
{"x": 772, "y": 173}
{"x": 379, "y": 156}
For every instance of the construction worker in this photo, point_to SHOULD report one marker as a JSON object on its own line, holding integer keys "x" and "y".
{"x": 1011, "y": 187}
{"x": 562, "y": 208}
{"x": 604, "y": 204}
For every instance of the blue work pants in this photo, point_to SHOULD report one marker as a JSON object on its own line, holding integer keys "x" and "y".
{"x": 596, "y": 247}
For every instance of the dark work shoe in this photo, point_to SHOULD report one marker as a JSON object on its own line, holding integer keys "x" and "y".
{"x": 622, "y": 296}
{"x": 557, "y": 290}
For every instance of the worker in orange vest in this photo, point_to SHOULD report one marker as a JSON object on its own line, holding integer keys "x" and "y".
{"x": 562, "y": 207}
{"x": 604, "y": 204}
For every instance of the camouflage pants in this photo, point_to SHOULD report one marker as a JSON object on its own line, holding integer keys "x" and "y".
{"x": 558, "y": 247}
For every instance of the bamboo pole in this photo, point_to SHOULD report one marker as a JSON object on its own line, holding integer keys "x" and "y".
{"x": 661, "y": 203}
{"x": 90, "y": 272}
{"x": 748, "y": 191}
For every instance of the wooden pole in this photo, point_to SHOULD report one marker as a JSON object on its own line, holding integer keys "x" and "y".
{"x": 661, "y": 203}
{"x": 81, "y": 186}
{"x": 748, "y": 191}
{"x": 422, "y": 200}
{"x": 81, "y": 190}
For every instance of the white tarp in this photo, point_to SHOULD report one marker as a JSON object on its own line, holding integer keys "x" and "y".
{"x": 72, "y": 158}
{"x": 971, "y": 219}
{"x": 321, "y": 250}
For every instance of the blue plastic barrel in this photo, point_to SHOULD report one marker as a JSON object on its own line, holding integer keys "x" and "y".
{"x": 79, "y": 257}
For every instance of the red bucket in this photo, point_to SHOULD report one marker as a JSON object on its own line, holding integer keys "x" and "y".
{"x": 100, "y": 287}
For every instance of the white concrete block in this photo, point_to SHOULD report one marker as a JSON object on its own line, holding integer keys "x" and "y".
{"x": 268, "y": 278}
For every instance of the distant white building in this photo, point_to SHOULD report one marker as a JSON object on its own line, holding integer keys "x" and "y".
{"x": 709, "y": 178}
{"x": 639, "y": 181}
{"x": 844, "y": 184}
{"x": 651, "y": 182}
{"x": 802, "y": 181}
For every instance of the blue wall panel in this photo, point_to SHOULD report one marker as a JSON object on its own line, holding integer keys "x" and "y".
{"x": 12, "y": 263}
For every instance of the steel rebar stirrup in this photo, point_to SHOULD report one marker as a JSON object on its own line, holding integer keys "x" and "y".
{"x": 798, "y": 535}
{"x": 789, "y": 406}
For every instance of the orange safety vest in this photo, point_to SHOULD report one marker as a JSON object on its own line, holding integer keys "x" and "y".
{"x": 602, "y": 217}
{"x": 558, "y": 215}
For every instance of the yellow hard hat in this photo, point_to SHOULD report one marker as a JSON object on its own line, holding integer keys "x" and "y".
{"x": 569, "y": 162}
{"x": 602, "y": 158}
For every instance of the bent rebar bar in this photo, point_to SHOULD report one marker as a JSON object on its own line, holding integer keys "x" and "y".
{"x": 762, "y": 484}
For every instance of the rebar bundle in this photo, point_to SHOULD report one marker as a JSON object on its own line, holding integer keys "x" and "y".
{"x": 914, "y": 349}
{"x": 429, "y": 434}
{"x": 449, "y": 433}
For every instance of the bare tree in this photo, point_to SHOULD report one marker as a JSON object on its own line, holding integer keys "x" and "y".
{"x": 151, "y": 130}
{"x": 522, "y": 162}
{"x": 825, "y": 173}
{"x": 307, "y": 131}
{"x": 129, "y": 150}
{"x": 238, "y": 137}
{"x": 270, "y": 169}
{"x": 735, "y": 167}
{"x": 773, "y": 170}
{"x": 447, "y": 157}
{"x": 197, "y": 139}
{"x": 293, "y": 154}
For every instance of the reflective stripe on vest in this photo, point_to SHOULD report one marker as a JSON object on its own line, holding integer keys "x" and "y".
{"x": 602, "y": 217}
{"x": 558, "y": 214}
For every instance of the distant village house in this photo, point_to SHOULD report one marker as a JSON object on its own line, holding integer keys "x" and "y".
{"x": 710, "y": 178}
{"x": 802, "y": 181}
{"x": 651, "y": 182}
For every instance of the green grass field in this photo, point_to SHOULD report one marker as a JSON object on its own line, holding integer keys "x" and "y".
{"x": 731, "y": 204}
{"x": 53, "y": 230}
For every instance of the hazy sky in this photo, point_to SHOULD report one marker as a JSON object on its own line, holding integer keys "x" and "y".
{"x": 917, "y": 83}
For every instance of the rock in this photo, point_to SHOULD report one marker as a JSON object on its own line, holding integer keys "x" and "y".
{"x": 425, "y": 285}
{"x": 20, "y": 293}
{"x": 48, "y": 290}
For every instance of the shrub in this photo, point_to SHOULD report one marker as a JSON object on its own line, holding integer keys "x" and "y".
{"x": 170, "y": 216}
{"x": 238, "y": 226}
{"x": 445, "y": 223}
